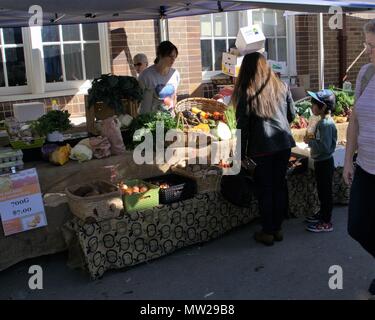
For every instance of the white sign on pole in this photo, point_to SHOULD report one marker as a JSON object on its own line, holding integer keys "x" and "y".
{"x": 21, "y": 203}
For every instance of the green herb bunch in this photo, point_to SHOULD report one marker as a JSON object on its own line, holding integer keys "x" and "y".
{"x": 147, "y": 123}
{"x": 111, "y": 89}
{"x": 55, "y": 120}
{"x": 303, "y": 108}
{"x": 230, "y": 116}
{"x": 344, "y": 101}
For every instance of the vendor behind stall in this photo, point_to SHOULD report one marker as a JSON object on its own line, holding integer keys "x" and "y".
{"x": 140, "y": 62}
{"x": 160, "y": 81}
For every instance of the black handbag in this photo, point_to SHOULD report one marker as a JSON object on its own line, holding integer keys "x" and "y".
{"x": 238, "y": 189}
{"x": 248, "y": 165}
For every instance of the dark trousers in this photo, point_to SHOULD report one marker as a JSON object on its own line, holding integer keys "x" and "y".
{"x": 271, "y": 189}
{"x": 324, "y": 178}
{"x": 361, "y": 223}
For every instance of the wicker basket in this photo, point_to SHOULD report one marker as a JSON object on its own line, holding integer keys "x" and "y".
{"x": 207, "y": 105}
{"x": 204, "y": 104}
{"x": 208, "y": 178}
{"x": 95, "y": 208}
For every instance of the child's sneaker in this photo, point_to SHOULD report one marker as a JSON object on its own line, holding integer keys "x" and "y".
{"x": 314, "y": 218}
{"x": 320, "y": 227}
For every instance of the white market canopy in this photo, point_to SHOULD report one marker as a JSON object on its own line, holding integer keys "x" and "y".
{"x": 15, "y": 13}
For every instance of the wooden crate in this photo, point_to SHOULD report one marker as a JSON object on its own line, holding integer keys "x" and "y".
{"x": 101, "y": 112}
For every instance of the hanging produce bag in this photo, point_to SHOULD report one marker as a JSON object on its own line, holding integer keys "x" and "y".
{"x": 101, "y": 147}
{"x": 111, "y": 130}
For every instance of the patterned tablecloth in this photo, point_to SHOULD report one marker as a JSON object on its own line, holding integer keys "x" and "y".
{"x": 140, "y": 236}
{"x": 303, "y": 197}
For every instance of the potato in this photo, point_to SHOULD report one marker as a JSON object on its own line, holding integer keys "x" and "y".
{"x": 128, "y": 192}
{"x": 143, "y": 189}
{"x": 135, "y": 189}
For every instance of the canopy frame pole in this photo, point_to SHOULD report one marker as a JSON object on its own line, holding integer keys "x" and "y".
{"x": 163, "y": 25}
{"x": 163, "y": 29}
{"x": 321, "y": 50}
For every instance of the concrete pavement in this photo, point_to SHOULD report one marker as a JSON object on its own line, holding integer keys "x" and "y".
{"x": 231, "y": 267}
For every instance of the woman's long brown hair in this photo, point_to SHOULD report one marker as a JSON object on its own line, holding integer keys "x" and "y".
{"x": 259, "y": 85}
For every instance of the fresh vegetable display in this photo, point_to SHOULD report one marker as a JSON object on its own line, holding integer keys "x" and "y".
{"x": 111, "y": 89}
{"x": 202, "y": 127}
{"x": 128, "y": 190}
{"x": 340, "y": 119}
{"x": 222, "y": 131}
{"x": 147, "y": 122}
{"x": 218, "y": 124}
{"x": 162, "y": 185}
{"x": 344, "y": 102}
{"x": 299, "y": 122}
{"x": 230, "y": 117}
{"x": 23, "y": 132}
{"x": 303, "y": 109}
{"x": 55, "y": 120}
{"x": 341, "y": 114}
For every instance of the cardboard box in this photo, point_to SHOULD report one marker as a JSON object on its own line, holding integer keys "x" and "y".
{"x": 28, "y": 111}
{"x": 239, "y": 52}
{"x": 250, "y": 38}
{"x": 230, "y": 70}
{"x": 231, "y": 64}
{"x": 232, "y": 59}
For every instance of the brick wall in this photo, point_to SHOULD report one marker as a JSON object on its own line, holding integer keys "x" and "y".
{"x": 131, "y": 37}
{"x": 185, "y": 34}
{"x": 127, "y": 38}
{"x": 74, "y": 104}
{"x": 355, "y": 43}
{"x": 307, "y": 49}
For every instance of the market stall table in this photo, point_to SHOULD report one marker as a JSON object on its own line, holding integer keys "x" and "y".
{"x": 303, "y": 201}
{"x": 37, "y": 242}
{"x": 53, "y": 181}
{"x": 141, "y": 236}
{"x": 56, "y": 178}
{"x": 341, "y": 191}
{"x": 145, "y": 235}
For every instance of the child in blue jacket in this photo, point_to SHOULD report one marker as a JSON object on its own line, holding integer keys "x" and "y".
{"x": 323, "y": 145}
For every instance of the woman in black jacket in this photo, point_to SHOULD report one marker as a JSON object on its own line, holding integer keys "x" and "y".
{"x": 264, "y": 111}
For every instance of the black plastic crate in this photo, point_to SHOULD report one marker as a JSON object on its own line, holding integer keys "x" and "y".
{"x": 297, "y": 164}
{"x": 180, "y": 188}
{"x": 31, "y": 155}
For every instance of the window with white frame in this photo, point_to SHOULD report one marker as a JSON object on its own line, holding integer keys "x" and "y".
{"x": 68, "y": 56}
{"x": 218, "y": 34}
{"x": 12, "y": 58}
{"x": 273, "y": 24}
{"x": 219, "y": 31}
{"x": 71, "y": 52}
